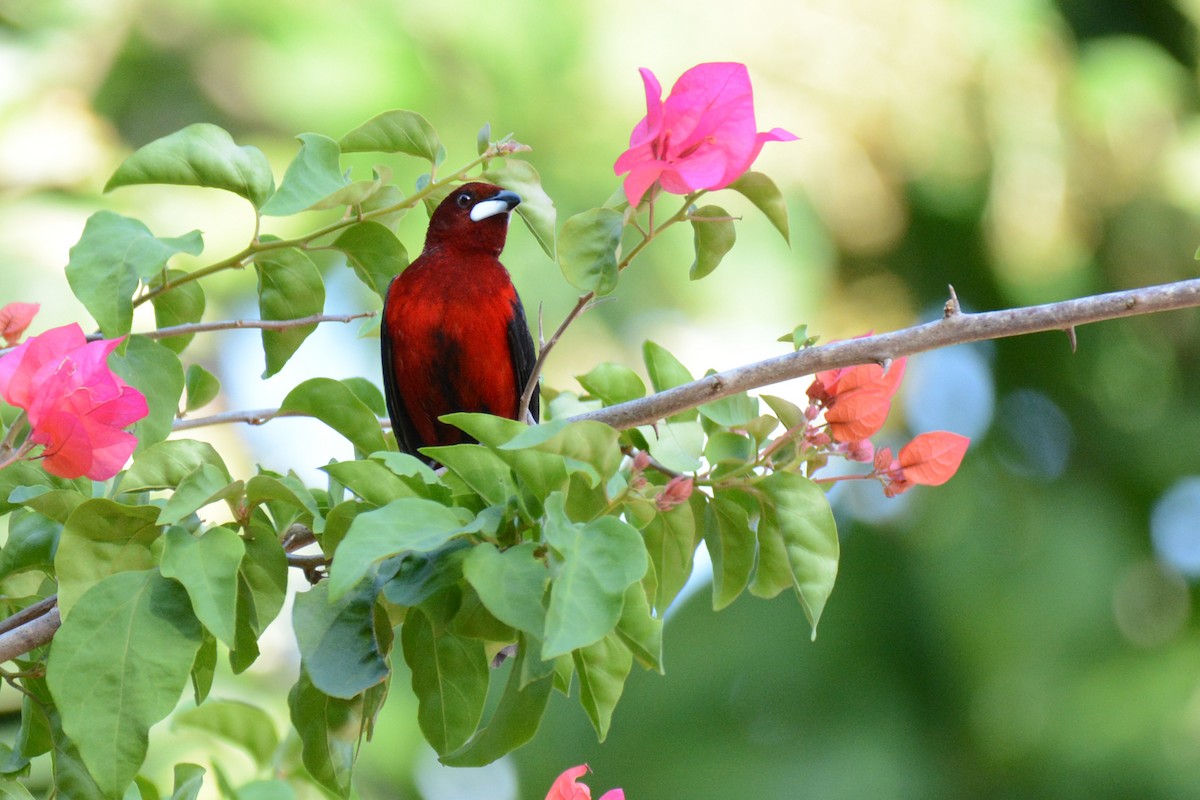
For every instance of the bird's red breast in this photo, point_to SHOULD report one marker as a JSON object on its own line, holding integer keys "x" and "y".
{"x": 454, "y": 336}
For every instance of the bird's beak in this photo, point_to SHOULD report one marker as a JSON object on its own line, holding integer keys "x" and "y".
{"x": 502, "y": 203}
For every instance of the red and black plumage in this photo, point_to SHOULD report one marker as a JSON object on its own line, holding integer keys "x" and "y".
{"x": 454, "y": 335}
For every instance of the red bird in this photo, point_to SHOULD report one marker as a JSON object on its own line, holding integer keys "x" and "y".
{"x": 454, "y": 335}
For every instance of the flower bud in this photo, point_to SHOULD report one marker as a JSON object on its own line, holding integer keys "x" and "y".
{"x": 677, "y": 491}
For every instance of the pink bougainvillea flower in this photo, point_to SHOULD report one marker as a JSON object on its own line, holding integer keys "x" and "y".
{"x": 77, "y": 407}
{"x": 14, "y": 319}
{"x": 702, "y": 137}
{"x": 566, "y": 787}
{"x": 857, "y": 399}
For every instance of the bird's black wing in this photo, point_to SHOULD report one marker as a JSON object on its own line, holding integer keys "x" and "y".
{"x": 520, "y": 345}
{"x": 406, "y": 434}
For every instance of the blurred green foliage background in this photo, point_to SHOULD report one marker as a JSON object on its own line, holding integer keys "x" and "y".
{"x": 1028, "y": 630}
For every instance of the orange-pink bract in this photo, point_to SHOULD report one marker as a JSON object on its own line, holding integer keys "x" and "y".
{"x": 77, "y": 407}
{"x": 566, "y": 787}
{"x": 931, "y": 459}
{"x": 857, "y": 399}
{"x": 702, "y": 137}
{"x": 14, "y": 319}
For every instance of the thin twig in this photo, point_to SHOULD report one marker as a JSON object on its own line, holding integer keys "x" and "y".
{"x": 257, "y": 416}
{"x": 258, "y": 324}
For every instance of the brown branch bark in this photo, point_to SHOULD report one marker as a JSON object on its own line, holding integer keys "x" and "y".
{"x": 36, "y": 627}
{"x": 956, "y": 327}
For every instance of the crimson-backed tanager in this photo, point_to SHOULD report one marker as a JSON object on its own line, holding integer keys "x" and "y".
{"x": 454, "y": 335}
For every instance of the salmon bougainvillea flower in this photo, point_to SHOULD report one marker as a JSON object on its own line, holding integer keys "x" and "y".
{"x": 566, "y": 787}
{"x": 702, "y": 137}
{"x": 77, "y": 407}
{"x": 14, "y": 319}
{"x": 930, "y": 459}
{"x": 857, "y": 399}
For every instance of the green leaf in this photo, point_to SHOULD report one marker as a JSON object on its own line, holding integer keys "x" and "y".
{"x": 388, "y": 199}
{"x": 449, "y": 678}
{"x": 262, "y": 587}
{"x": 671, "y": 542}
{"x": 206, "y": 484}
{"x": 612, "y": 383}
{"x": 32, "y": 540}
{"x": 286, "y": 491}
{"x": 370, "y": 395}
{"x": 189, "y": 778}
{"x": 800, "y": 510}
{"x": 511, "y": 584}
{"x": 515, "y": 719}
{"x": 199, "y": 155}
{"x": 155, "y": 371}
{"x": 542, "y": 472}
{"x": 335, "y": 404}
{"x": 733, "y": 411}
{"x": 479, "y": 468}
{"x": 204, "y": 668}
{"x": 585, "y": 442}
{"x": 587, "y": 249}
{"x": 12, "y": 789}
{"x": 676, "y": 445}
{"x": 112, "y": 254}
{"x": 396, "y": 131}
{"x": 166, "y": 464}
{"x": 640, "y": 630}
{"x": 602, "y": 669}
{"x": 207, "y": 567}
{"x": 422, "y": 575}
{"x": 713, "y": 238}
{"x": 342, "y": 651}
{"x": 409, "y": 524}
{"x": 592, "y": 565}
{"x": 101, "y": 538}
{"x": 765, "y": 195}
{"x": 482, "y": 139}
{"x": 370, "y": 480}
{"x": 117, "y": 666}
{"x": 731, "y": 544}
{"x": 724, "y": 447}
{"x": 374, "y": 252}
{"x": 289, "y": 287}
{"x": 314, "y": 174}
{"x": 181, "y": 305}
{"x": 536, "y": 209}
{"x": 328, "y": 729}
{"x": 56, "y": 504}
{"x": 666, "y": 372}
{"x": 200, "y": 386}
{"x": 247, "y": 726}
{"x": 790, "y": 414}
{"x": 30, "y": 473}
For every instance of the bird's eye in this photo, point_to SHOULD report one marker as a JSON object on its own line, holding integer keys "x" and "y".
{"x": 464, "y": 200}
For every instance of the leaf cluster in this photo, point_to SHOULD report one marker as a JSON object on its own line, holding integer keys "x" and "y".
{"x": 540, "y": 559}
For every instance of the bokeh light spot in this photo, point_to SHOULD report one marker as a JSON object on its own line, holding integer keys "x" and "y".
{"x": 1175, "y": 526}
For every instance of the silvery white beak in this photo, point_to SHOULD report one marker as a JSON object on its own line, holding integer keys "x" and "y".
{"x": 502, "y": 203}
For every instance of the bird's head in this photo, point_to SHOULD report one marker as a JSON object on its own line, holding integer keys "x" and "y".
{"x": 474, "y": 216}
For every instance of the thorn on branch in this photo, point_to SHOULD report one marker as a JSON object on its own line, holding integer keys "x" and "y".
{"x": 1072, "y": 338}
{"x": 952, "y": 307}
